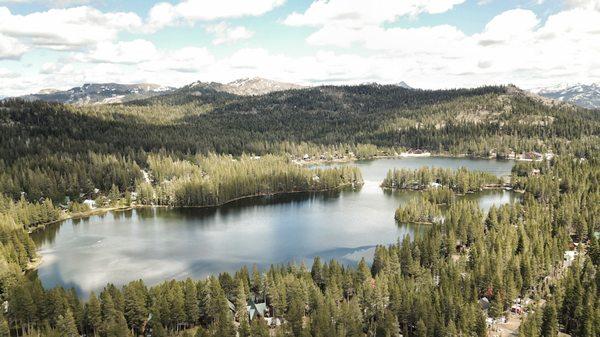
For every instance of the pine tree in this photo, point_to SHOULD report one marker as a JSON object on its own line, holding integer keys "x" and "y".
{"x": 21, "y": 309}
{"x": 94, "y": 313}
{"x": 158, "y": 330}
{"x": 108, "y": 306}
{"x": 66, "y": 325}
{"x": 480, "y": 324}
{"x": 363, "y": 270}
{"x": 4, "y": 329}
{"x": 201, "y": 332}
{"x": 259, "y": 328}
{"x": 549, "y": 321}
{"x": 421, "y": 329}
{"x": 176, "y": 300}
{"x": 379, "y": 260}
{"x": 223, "y": 326}
{"x": 192, "y": 310}
{"x": 241, "y": 311}
{"x": 317, "y": 273}
{"x": 295, "y": 315}
{"x": 114, "y": 195}
{"x": 135, "y": 305}
{"x": 257, "y": 283}
{"x": 117, "y": 327}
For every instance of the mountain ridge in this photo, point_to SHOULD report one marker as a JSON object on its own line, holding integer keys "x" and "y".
{"x": 584, "y": 95}
{"x": 99, "y": 93}
{"x": 107, "y": 93}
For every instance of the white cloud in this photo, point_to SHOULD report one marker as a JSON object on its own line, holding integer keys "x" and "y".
{"x": 586, "y": 4}
{"x": 428, "y": 40}
{"x": 6, "y": 73}
{"x": 357, "y": 13}
{"x": 66, "y": 29}
{"x": 52, "y": 68}
{"x": 516, "y": 46}
{"x": 11, "y": 48}
{"x": 126, "y": 52}
{"x": 52, "y": 3}
{"x": 508, "y": 26}
{"x": 225, "y": 33}
{"x": 189, "y": 11}
{"x": 185, "y": 60}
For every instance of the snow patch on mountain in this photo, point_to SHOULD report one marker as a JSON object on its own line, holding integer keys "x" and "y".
{"x": 257, "y": 86}
{"x": 585, "y": 95}
{"x": 99, "y": 93}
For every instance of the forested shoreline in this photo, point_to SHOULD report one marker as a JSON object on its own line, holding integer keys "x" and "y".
{"x": 200, "y": 150}
{"x": 459, "y": 181}
{"x": 501, "y": 257}
{"x": 215, "y": 180}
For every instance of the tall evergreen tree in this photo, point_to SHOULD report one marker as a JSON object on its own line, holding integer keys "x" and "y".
{"x": 66, "y": 325}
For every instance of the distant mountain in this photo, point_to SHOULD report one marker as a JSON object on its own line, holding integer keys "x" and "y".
{"x": 255, "y": 86}
{"x": 258, "y": 86}
{"x": 403, "y": 84}
{"x": 99, "y": 93}
{"x": 207, "y": 92}
{"x": 585, "y": 95}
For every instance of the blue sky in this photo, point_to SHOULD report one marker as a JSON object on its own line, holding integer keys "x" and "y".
{"x": 428, "y": 44}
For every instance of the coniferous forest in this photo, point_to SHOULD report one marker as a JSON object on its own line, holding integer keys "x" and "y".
{"x": 460, "y": 181}
{"x": 186, "y": 149}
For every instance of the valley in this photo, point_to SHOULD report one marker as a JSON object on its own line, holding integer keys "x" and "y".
{"x": 321, "y": 168}
{"x": 346, "y": 224}
{"x": 318, "y": 202}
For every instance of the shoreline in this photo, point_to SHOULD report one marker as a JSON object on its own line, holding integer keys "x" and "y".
{"x": 100, "y": 211}
{"x": 35, "y": 264}
{"x": 398, "y": 222}
{"x": 399, "y": 156}
{"x": 495, "y": 187}
{"x": 256, "y": 195}
{"x": 79, "y": 215}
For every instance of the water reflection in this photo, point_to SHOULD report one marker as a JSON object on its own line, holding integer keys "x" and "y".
{"x": 159, "y": 243}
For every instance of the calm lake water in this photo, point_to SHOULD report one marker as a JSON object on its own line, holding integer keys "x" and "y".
{"x": 158, "y": 243}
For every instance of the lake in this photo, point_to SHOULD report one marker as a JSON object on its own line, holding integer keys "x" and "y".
{"x": 161, "y": 243}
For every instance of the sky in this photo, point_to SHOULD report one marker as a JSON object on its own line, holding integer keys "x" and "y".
{"x": 425, "y": 43}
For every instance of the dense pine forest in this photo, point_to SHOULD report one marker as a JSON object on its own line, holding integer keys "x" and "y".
{"x": 54, "y": 151}
{"x": 472, "y": 122}
{"x": 430, "y": 286}
{"x": 460, "y": 181}
{"x": 215, "y": 180}
{"x": 197, "y": 147}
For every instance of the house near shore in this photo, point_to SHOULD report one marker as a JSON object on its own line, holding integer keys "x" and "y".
{"x": 90, "y": 203}
{"x": 484, "y": 303}
{"x": 517, "y": 309}
{"x": 255, "y": 310}
{"x": 570, "y": 256}
{"x": 273, "y": 321}
{"x": 415, "y": 153}
{"x": 531, "y": 156}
